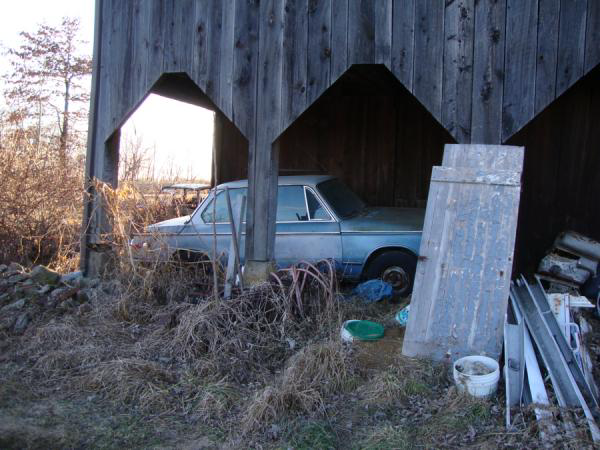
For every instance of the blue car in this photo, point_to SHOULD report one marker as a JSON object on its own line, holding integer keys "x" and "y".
{"x": 318, "y": 217}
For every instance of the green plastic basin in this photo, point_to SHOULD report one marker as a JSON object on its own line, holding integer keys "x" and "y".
{"x": 364, "y": 330}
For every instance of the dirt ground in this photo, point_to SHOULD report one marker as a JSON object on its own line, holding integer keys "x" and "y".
{"x": 128, "y": 371}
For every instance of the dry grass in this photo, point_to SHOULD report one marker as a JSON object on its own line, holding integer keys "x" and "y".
{"x": 252, "y": 333}
{"x": 214, "y": 399}
{"x": 387, "y": 437}
{"x": 406, "y": 378}
{"x": 232, "y": 369}
{"x": 131, "y": 381}
{"x": 40, "y": 201}
{"x": 309, "y": 376}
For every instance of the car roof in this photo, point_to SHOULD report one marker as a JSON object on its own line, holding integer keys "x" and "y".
{"x": 193, "y": 186}
{"x": 308, "y": 180}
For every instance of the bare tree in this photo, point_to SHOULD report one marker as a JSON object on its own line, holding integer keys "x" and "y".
{"x": 134, "y": 158}
{"x": 47, "y": 79}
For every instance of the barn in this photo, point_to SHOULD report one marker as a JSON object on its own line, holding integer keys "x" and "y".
{"x": 368, "y": 90}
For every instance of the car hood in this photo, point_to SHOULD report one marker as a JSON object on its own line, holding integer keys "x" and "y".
{"x": 170, "y": 225}
{"x": 382, "y": 219}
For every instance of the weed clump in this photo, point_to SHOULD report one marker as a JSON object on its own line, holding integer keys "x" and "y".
{"x": 406, "y": 378}
{"x": 311, "y": 374}
{"x": 131, "y": 381}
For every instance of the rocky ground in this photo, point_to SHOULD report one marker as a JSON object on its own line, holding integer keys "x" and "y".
{"x": 25, "y": 295}
{"x": 121, "y": 363}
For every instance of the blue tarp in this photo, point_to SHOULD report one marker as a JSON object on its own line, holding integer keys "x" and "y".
{"x": 374, "y": 290}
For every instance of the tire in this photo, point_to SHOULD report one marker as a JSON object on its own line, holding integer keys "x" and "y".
{"x": 396, "y": 267}
{"x": 194, "y": 263}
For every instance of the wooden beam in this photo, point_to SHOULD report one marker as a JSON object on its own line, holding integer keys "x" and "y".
{"x": 361, "y": 32}
{"x": 93, "y": 126}
{"x": 429, "y": 54}
{"x": 319, "y": 48}
{"x": 547, "y": 48}
{"x": 571, "y": 43}
{"x": 295, "y": 42}
{"x": 403, "y": 40}
{"x": 339, "y": 38}
{"x": 592, "y": 38}
{"x": 458, "y": 68}
{"x": 264, "y": 153}
{"x": 519, "y": 75}
{"x": 488, "y": 72}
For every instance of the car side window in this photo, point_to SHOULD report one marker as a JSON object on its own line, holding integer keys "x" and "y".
{"x": 291, "y": 206}
{"x": 316, "y": 211}
{"x": 220, "y": 209}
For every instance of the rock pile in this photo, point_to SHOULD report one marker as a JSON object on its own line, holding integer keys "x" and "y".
{"x": 23, "y": 294}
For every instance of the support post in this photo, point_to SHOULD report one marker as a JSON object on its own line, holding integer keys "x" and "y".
{"x": 91, "y": 141}
{"x": 96, "y": 221}
{"x": 261, "y": 215}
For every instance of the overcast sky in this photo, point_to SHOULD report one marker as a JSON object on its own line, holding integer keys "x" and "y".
{"x": 180, "y": 135}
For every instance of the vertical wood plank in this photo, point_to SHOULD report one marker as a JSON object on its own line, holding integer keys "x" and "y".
{"x": 105, "y": 101}
{"x": 547, "y": 49}
{"x": 141, "y": 17}
{"x": 184, "y": 20}
{"x": 226, "y": 49}
{"x": 339, "y": 38}
{"x": 245, "y": 67}
{"x": 263, "y": 169}
{"x": 571, "y": 43}
{"x": 245, "y": 78}
{"x": 199, "y": 45}
{"x": 170, "y": 37}
{"x": 126, "y": 85}
{"x": 319, "y": 48}
{"x": 458, "y": 68}
{"x": 383, "y": 32}
{"x": 213, "y": 45}
{"x": 154, "y": 57}
{"x": 91, "y": 207}
{"x": 519, "y": 78}
{"x": 403, "y": 40}
{"x": 429, "y": 54}
{"x": 592, "y": 37}
{"x": 361, "y": 32}
{"x": 270, "y": 71}
{"x": 488, "y": 72}
{"x": 295, "y": 42}
{"x": 118, "y": 44}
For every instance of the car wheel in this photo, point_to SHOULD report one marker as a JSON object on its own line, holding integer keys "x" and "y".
{"x": 192, "y": 263}
{"x": 396, "y": 268}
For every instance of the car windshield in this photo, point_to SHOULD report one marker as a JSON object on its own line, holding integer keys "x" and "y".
{"x": 344, "y": 202}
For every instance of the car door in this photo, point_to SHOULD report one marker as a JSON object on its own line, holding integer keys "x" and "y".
{"x": 200, "y": 233}
{"x": 305, "y": 229}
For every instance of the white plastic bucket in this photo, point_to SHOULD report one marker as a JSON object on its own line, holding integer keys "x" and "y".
{"x": 469, "y": 376}
{"x": 344, "y": 333}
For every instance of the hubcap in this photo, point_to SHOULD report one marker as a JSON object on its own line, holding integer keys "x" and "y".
{"x": 397, "y": 277}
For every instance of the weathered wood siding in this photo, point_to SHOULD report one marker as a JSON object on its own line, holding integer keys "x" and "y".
{"x": 370, "y": 132}
{"x": 482, "y": 68}
{"x": 561, "y": 177}
{"x": 446, "y": 53}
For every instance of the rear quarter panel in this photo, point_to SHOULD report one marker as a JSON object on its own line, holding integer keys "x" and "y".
{"x": 358, "y": 246}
